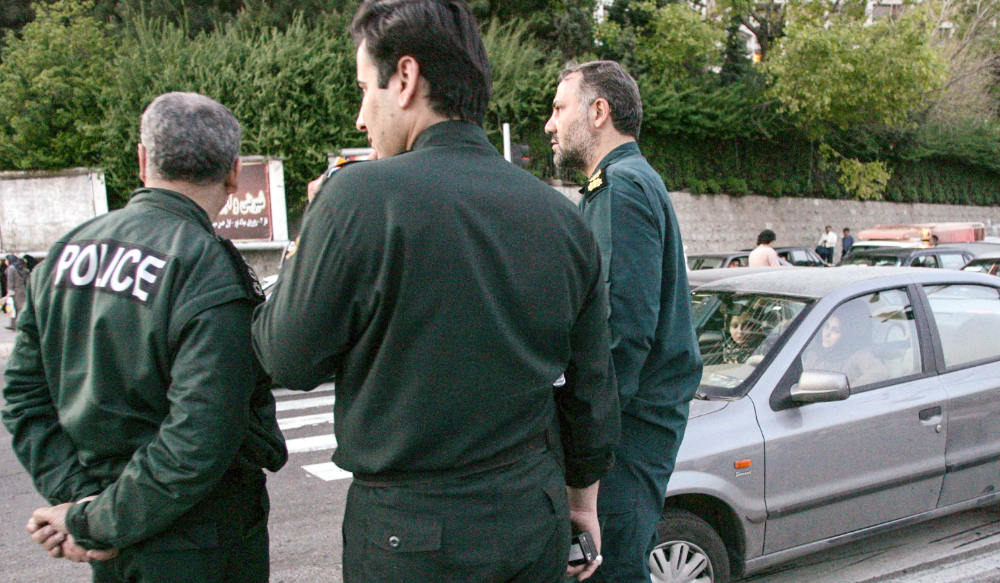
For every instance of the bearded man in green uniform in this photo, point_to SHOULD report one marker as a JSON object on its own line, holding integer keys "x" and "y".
{"x": 596, "y": 116}
{"x": 446, "y": 291}
{"x": 132, "y": 394}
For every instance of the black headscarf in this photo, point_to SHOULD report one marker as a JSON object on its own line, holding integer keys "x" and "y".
{"x": 16, "y": 263}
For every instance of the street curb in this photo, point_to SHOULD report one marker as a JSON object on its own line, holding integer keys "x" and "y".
{"x": 898, "y": 575}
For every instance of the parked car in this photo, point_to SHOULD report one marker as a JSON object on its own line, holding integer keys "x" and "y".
{"x": 947, "y": 257}
{"x": 700, "y": 261}
{"x": 988, "y": 264}
{"x": 868, "y": 398}
{"x": 799, "y": 256}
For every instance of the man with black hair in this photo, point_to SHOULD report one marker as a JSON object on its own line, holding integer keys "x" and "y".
{"x": 446, "y": 292}
{"x": 595, "y": 122}
{"x": 132, "y": 394}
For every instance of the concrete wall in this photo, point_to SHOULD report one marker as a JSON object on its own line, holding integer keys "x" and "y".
{"x": 36, "y": 208}
{"x": 718, "y": 222}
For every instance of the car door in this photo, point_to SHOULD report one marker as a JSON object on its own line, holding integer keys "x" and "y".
{"x": 966, "y": 320}
{"x": 878, "y": 456}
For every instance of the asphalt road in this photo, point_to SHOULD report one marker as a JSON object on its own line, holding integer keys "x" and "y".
{"x": 308, "y": 495}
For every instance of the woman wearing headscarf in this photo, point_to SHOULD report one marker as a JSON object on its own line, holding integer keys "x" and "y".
{"x": 843, "y": 345}
{"x": 17, "y": 285}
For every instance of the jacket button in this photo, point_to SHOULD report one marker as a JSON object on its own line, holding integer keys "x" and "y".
{"x": 393, "y": 541}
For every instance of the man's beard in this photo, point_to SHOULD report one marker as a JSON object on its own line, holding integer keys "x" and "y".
{"x": 575, "y": 151}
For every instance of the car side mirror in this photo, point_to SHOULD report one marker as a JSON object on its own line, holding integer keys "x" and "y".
{"x": 820, "y": 386}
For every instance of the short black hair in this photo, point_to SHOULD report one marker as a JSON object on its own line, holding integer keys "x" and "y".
{"x": 766, "y": 236}
{"x": 610, "y": 81}
{"x": 443, "y": 37}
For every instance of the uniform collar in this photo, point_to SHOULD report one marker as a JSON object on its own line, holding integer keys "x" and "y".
{"x": 622, "y": 151}
{"x": 172, "y": 202}
{"x": 599, "y": 179}
{"x": 452, "y": 133}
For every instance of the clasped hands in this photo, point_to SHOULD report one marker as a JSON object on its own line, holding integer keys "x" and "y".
{"x": 47, "y": 527}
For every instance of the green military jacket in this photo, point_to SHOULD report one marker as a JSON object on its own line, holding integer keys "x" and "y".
{"x": 133, "y": 375}
{"x": 655, "y": 355}
{"x": 446, "y": 290}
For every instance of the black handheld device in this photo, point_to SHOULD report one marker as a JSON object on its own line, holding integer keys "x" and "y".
{"x": 581, "y": 549}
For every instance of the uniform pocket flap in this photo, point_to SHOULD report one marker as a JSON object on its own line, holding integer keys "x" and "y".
{"x": 404, "y": 533}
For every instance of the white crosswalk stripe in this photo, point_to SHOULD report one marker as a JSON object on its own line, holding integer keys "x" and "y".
{"x": 305, "y": 421}
{"x": 313, "y": 443}
{"x": 327, "y": 471}
{"x": 305, "y": 403}
{"x": 309, "y": 433}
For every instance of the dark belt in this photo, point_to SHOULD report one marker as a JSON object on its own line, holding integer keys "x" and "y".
{"x": 505, "y": 457}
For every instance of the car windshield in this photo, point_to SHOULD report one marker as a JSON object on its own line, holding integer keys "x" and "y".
{"x": 735, "y": 334}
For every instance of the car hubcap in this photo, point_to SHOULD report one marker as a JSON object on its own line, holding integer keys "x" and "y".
{"x": 680, "y": 562}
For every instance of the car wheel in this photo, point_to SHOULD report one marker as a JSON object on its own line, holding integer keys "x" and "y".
{"x": 688, "y": 550}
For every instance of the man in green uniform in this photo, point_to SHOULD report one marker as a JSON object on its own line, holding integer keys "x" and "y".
{"x": 132, "y": 393}
{"x": 446, "y": 291}
{"x": 594, "y": 125}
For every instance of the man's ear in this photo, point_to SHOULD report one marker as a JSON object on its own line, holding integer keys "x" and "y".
{"x": 232, "y": 179}
{"x": 408, "y": 71}
{"x": 600, "y": 112}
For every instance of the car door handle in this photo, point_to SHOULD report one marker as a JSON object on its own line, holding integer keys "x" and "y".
{"x": 929, "y": 413}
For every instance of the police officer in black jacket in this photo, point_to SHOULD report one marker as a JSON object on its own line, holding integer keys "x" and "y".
{"x": 446, "y": 291}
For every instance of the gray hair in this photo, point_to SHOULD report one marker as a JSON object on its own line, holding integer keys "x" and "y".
{"x": 608, "y": 80}
{"x": 189, "y": 137}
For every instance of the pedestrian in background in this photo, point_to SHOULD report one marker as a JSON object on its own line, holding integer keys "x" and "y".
{"x": 445, "y": 291}
{"x": 17, "y": 285}
{"x": 764, "y": 254}
{"x": 846, "y": 242}
{"x": 595, "y": 122}
{"x": 826, "y": 244}
{"x": 132, "y": 393}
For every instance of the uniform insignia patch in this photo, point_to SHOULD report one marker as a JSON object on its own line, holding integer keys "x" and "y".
{"x": 596, "y": 181}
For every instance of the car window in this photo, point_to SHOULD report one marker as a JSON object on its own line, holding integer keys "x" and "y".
{"x": 736, "y": 332}
{"x": 924, "y": 261}
{"x": 952, "y": 260}
{"x": 968, "y": 322}
{"x": 877, "y": 260}
{"x": 871, "y": 339}
{"x": 738, "y": 261}
{"x": 987, "y": 266}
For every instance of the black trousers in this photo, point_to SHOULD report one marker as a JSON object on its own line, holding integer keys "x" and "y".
{"x": 223, "y": 539}
{"x": 510, "y": 524}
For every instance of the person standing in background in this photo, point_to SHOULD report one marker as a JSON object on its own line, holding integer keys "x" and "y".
{"x": 17, "y": 285}
{"x": 846, "y": 242}
{"x": 826, "y": 244}
{"x": 764, "y": 254}
{"x": 595, "y": 122}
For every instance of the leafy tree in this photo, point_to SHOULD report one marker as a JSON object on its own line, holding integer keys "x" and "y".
{"x": 735, "y": 64}
{"x": 678, "y": 43}
{"x": 14, "y": 14}
{"x": 834, "y": 72}
{"x": 562, "y": 26}
{"x": 50, "y": 85}
{"x": 844, "y": 73}
{"x": 765, "y": 20}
